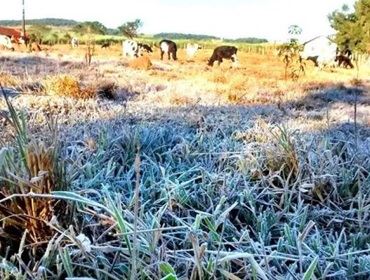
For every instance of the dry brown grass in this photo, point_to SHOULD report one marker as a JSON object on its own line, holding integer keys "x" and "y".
{"x": 259, "y": 78}
{"x": 62, "y": 85}
{"x": 8, "y": 80}
{"x": 67, "y": 85}
{"x": 141, "y": 62}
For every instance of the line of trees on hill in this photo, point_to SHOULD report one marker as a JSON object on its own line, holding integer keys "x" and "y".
{"x": 42, "y": 32}
{"x": 249, "y": 40}
{"x": 200, "y": 37}
{"x": 179, "y": 36}
{"x": 43, "y": 21}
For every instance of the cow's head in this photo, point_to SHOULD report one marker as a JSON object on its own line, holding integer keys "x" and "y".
{"x": 145, "y": 48}
{"x": 148, "y": 48}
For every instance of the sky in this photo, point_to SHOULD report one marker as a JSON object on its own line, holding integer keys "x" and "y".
{"x": 268, "y": 19}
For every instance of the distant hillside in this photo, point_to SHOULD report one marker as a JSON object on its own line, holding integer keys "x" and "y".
{"x": 43, "y": 21}
{"x": 182, "y": 36}
{"x": 185, "y": 36}
{"x": 250, "y": 40}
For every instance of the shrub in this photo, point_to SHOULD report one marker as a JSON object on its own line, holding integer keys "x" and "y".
{"x": 66, "y": 85}
{"x": 107, "y": 90}
{"x": 142, "y": 62}
{"x": 32, "y": 168}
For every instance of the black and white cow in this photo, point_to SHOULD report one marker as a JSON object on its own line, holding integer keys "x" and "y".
{"x": 145, "y": 48}
{"x": 6, "y": 42}
{"x": 169, "y": 47}
{"x": 134, "y": 49}
{"x": 223, "y": 52}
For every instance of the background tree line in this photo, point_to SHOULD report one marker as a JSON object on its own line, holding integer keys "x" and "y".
{"x": 41, "y": 30}
{"x": 352, "y": 26}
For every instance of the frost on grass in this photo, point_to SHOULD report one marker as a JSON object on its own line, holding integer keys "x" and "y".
{"x": 271, "y": 183}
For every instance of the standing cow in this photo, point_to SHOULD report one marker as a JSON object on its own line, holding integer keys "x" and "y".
{"x": 132, "y": 48}
{"x": 74, "y": 42}
{"x": 223, "y": 52}
{"x": 5, "y": 42}
{"x": 105, "y": 45}
{"x": 169, "y": 47}
{"x": 144, "y": 48}
{"x": 191, "y": 50}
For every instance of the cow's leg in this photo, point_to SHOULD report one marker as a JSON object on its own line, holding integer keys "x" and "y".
{"x": 219, "y": 61}
{"x": 341, "y": 61}
{"x": 162, "y": 53}
{"x": 174, "y": 55}
{"x": 234, "y": 58}
{"x": 350, "y": 64}
{"x": 169, "y": 55}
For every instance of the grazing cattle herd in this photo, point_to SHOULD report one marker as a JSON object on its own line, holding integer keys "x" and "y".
{"x": 322, "y": 51}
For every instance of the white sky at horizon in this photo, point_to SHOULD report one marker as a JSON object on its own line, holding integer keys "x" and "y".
{"x": 268, "y": 19}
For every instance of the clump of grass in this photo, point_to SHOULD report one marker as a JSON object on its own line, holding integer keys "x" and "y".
{"x": 62, "y": 85}
{"x": 107, "y": 90}
{"x": 219, "y": 76}
{"x": 233, "y": 96}
{"x": 32, "y": 168}
{"x": 281, "y": 155}
{"x": 238, "y": 82}
{"x": 141, "y": 63}
{"x": 180, "y": 100}
{"x": 8, "y": 80}
{"x": 66, "y": 85}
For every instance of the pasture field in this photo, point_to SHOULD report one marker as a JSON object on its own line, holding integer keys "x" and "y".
{"x": 151, "y": 169}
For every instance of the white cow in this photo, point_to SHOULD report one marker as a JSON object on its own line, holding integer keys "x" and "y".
{"x": 191, "y": 50}
{"x": 74, "y": 42}
{"x": 6, "y": 43}
{"x": 321, "y": 50}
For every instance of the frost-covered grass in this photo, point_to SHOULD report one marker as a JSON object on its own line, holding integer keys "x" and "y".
{"x": 189, "y": 173}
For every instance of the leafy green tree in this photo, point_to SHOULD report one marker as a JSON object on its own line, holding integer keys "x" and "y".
{"x": 130, "y": 29}
{"x": 93, "y": 27}
{"x": 38, "y": 32}
{"x": 353, "y": 28}
{"x": 66, "y": 38}
{"x": 294, "y": 30}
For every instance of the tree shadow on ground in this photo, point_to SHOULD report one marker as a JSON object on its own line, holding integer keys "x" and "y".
{"x": 320, "y": 97}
